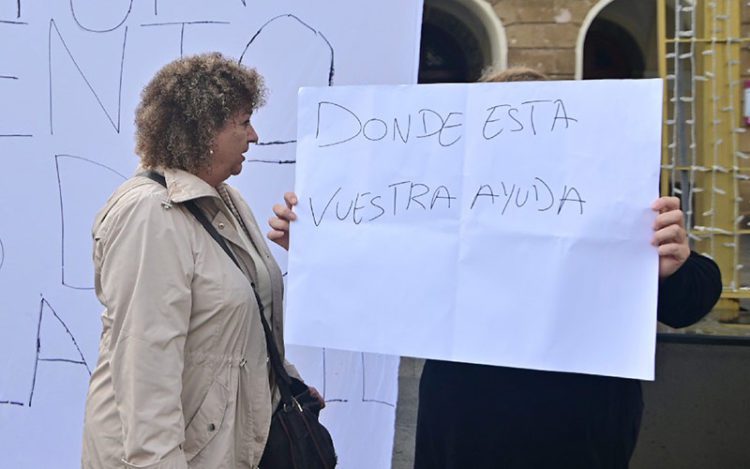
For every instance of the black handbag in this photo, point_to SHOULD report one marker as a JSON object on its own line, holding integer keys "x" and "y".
{"x": 297, "y": 439}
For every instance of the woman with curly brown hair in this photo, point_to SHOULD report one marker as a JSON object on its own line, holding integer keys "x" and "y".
{"x": 183, "y": 378}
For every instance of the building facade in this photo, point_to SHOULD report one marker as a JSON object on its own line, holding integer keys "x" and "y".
{"x": 699, "y": 48}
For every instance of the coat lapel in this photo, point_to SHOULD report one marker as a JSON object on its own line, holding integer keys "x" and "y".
{"x": 273, "y": 268}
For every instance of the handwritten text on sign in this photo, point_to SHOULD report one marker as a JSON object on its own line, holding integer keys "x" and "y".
{"x": 445, "y": 130}
{"x": 489, "y": 223}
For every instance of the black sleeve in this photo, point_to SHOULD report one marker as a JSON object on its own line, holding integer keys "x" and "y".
{"x": 690, "y": 293}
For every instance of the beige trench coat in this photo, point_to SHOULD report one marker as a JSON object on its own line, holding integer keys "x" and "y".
{"x": 182, "y": 379}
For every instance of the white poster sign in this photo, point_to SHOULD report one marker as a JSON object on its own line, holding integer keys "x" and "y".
{"x": 504, "y": 224}
{"x": 70, "y": 77}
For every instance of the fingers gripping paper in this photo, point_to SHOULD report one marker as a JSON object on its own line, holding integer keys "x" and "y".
{"x": 504, "y": 224}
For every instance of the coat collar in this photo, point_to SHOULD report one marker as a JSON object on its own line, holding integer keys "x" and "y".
{"x": 183, "y": 186}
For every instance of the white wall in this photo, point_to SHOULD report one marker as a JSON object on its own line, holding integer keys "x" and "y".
{"x": 70, "y": 76}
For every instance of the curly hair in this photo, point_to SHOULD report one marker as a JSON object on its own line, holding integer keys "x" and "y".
{"x": 512, "y": 74}
{"x": 186, "y": 103}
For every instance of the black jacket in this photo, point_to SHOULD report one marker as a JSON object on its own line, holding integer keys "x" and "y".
{"x": 477, "y": 416}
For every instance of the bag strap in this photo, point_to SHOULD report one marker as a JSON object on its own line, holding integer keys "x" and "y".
{"x": 284, "y": 380}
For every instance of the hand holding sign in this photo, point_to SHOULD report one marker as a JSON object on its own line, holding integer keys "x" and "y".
{"x": 669, "y": 235}
{"x": 279, "y": 224}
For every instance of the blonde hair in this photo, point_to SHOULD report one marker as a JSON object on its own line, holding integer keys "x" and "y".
{"x": 186, "y": 103}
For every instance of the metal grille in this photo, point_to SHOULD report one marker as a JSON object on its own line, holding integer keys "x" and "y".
{"x": 702, "y": 162}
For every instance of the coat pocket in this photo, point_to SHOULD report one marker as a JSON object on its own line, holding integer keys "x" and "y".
{"x": 207, "y": 421}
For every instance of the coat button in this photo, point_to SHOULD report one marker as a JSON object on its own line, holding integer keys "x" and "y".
{"x": 211, "y": 427}
{"x": 221, "y": 226}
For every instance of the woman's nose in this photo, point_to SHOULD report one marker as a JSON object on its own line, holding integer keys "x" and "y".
{"x": 252, "y": 135}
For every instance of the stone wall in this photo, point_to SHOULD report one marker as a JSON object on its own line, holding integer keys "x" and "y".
{"x": 543, "y": 33}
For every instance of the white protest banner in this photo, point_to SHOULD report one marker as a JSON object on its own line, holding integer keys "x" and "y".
{"x": 505, "y": 224}
{"x": 70, "y": 77}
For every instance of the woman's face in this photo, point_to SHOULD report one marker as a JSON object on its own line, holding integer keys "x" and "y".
{"x": 231, "y": 141}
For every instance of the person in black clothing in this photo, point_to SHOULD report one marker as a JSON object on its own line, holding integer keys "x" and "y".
{"x": 477, "y": 416}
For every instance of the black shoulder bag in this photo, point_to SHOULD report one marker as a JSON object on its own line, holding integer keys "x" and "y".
{"x": 296, "y": 440}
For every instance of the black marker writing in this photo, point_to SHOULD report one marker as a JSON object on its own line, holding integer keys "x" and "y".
{"x": 561, "y": 114}
{"x": 13, "y": 78}
{"x": 524, "y": 117}
{"x": 289, "y": 24}
{"x": 568, "y": 197}
{"x": 368, "y": 206}
{"x": 406, "y": 196}
{"x": 11, "y": 403}
{"x": 103, "y": 11}
{"x": 441, "y": 127}
{"x": 46, "y": 312}
{"x": 395, "y": 187}
{"x": 422, "y": 189}
{"x": 485, "y": 190}
{"x": 44, "y": 305}
{"x": 115, "y": 125}
{"x": 337, "y": 124}
{"x": 365, "y": 388}
{"x": 67, "y": 187}
{"x": 520, "y": 196}
{"x": 441, "y": 193}
{"x": 397, "y": 128}
{"x": 317, "y": 221}
{"x": 317, "y": 34}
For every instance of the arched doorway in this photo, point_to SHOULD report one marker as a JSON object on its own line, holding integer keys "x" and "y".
{"x": 460, "y": 38}
{"x": 618, "y": 39}
{"x": 611, "y": 52}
